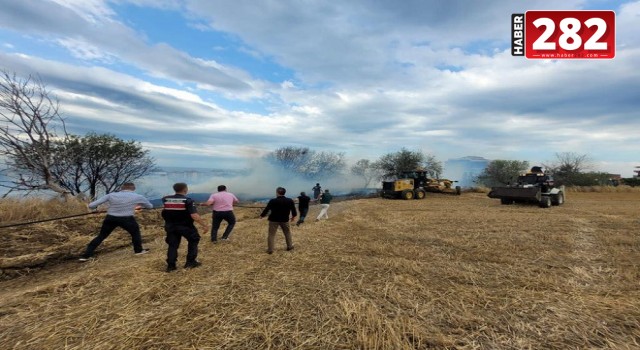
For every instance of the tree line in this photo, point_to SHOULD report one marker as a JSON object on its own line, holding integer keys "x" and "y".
{"x": 39, "y": 154}
{"x": 309, "y": 164}
{"x": 568, "y": 168}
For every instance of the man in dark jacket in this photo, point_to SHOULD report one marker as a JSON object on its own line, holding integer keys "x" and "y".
{"x": 279, "y": 209}
{"x": 303, "y": 206}
{"x": 317, "y": 190}
{"x": 179, "y": 213}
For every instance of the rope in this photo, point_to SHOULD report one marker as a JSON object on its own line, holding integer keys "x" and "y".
{"x": 249, "y": 206}
{"x": 94, "y": 212}
{"x": 203, "y": 204}
{"x": 60, "y": 218}
{"x": 46, "y": 220}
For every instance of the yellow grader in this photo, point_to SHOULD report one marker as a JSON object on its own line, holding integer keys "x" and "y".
{"x": 415, "y": 184}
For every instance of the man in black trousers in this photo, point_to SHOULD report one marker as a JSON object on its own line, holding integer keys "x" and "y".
{"x": 303, "y": 207}
{"x": 121, "y": 211}
{"x": 179, "y": 213}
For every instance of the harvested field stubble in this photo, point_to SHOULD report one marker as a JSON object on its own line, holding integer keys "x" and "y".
{"x": 457, "y": 272}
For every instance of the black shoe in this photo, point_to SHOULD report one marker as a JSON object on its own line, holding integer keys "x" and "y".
{"x": 269, "y": 251}
{"x": 171, "y": 268}
{"x": 289, "y": 248}
{"x": 191, "y": 265}
{"x": 214, "y": 241}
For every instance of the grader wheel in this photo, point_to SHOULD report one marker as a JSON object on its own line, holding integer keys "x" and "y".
{"x": 545, "y": 202}
{"x": 407, "y": 194}
{"x": 558, "y": 199}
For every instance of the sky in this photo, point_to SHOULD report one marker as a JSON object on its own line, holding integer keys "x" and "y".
{"x": 217, "y": 84}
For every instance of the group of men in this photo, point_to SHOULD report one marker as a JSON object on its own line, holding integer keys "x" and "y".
{"x": 180, "y": 213}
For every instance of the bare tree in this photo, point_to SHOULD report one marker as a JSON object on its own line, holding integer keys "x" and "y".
{"x": 307, "y": 163}
{"x": 30, "y": 126}
{"x": 568, "y": 167}
{"x": 571, "y": 162}
{"x": 433, "y": 166}
{"x": 324, "y": 164}
{"x": 367, "y": 170}
{"x": 290, "y": 158}
{"x": 39, "y": 154}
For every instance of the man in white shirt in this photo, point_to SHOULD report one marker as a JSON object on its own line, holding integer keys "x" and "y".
{"x": 122, "y": 206}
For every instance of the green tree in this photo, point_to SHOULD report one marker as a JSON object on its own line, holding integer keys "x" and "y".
{"x": 101, "y": 163}
{"x": 591, "y": 178}
{"x": 392, "y": 164}
{"x": 631, "y": 181}
{"x": 501, "y": 172}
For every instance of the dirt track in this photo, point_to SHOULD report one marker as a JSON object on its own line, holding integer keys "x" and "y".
{"x": 445, "y": 272}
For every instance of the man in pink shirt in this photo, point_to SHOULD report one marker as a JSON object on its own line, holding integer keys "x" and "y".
{"x": 222, "y": 202}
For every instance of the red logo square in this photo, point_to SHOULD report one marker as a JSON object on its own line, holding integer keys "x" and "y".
{"x": 579, "y": 34}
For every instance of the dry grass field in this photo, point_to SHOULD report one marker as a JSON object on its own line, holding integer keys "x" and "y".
{"x": 447, "y": 272}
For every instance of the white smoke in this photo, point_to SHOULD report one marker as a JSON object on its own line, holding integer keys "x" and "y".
{"x": 262, "y": 178}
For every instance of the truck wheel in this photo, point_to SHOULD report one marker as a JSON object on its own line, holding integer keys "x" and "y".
{"x": 506, "y": 201}
{"x": 407, "y": 194}
{"x": 458, "y": 190}
{"x": 545, "y": 202}
{"x": 419, "y": 194}
{"x": 558, "y": 199}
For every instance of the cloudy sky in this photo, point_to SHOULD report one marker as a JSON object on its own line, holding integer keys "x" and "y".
{"x": 212, "y": 83}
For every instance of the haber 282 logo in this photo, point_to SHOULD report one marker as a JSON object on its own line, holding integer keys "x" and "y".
{"x": 564, "y": 34}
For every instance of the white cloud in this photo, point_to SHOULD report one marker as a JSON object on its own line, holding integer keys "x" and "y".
{"x": 368, "y": 78}
{"x": 94, "y": 23}
{"x": 93, "y": 11}
{"x": 85, "y": 51}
